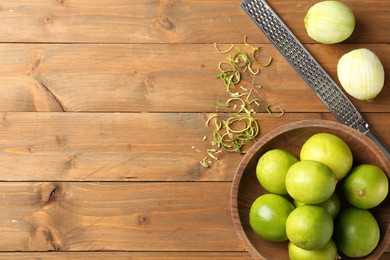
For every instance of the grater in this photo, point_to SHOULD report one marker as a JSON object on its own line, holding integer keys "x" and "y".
{"x": 308, "y": 68}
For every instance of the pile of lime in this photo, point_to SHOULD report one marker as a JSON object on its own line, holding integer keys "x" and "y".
{"x": 305, "y": 203}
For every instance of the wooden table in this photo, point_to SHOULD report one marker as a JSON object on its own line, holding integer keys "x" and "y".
{"x": 101, "y": 103}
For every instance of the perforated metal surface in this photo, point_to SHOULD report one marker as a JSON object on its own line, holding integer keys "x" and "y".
{"x": 304, "y": 63}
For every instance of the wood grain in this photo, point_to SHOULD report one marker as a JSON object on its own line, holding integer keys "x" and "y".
{"x": 136, "y": 256}
{"x": 166, "y": 21}
{"x": 129, "y": 255}
{"x": 102, "y": 101}
{"x": 138, "y": 216}
{"x": 121, "y": 147}
{"x": 155, "y": 78}
{"x": 112, "y": 216}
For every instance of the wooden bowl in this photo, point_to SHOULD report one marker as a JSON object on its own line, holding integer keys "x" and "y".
{"x": 290, "y": 137}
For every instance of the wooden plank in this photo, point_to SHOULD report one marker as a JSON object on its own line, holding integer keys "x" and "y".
{"x": 112, "y": 216}
{"x": 127, "y": 255}
{"x": 169, "y": 21}
{"x": 80, "y": 216}
{"x": 121, "y": 146}
{"x": 150, "y": 78}
{"x": 134, "y": 255}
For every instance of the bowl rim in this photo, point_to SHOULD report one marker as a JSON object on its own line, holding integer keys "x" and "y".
{"x": 322, "y": 123}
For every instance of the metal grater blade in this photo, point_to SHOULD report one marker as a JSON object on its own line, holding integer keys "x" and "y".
{"x": 308, "y": 68}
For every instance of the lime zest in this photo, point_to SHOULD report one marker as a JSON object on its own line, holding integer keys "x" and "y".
{"x": 280, "y": 114}
{"x": 249, "y": 45}
{"x": 225, "y": 51}
{"x": 205, "y": 162}
{"x": 241, "y": 127}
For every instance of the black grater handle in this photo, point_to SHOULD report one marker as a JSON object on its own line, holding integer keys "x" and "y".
{"x": 379, "y": 143}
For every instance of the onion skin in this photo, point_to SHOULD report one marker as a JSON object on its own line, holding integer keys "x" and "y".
{"x": 329, "y": 22}
{"x": 361, "y": 74}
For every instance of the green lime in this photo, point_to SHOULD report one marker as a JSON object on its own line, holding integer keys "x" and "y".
{"x": 298, "y": 203}
{"x": 268, "y": 215}
{"x": 330, "y": 150}
{"x": 272, "y": 168}
{"x": 328, "y": 252}
{"x": 356, "y": 232}
{"x": 309, "y": 227}
{"x": 310, "y": 182}
{"x": 332, "y": 205}
{"x": 366, "y": 186}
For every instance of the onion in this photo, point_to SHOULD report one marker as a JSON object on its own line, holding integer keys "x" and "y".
{"x": 329, "y": 22}
{"x": 361, "y": 74}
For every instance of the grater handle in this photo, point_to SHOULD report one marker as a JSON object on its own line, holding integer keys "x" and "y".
{"x": 378, "y": 142}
